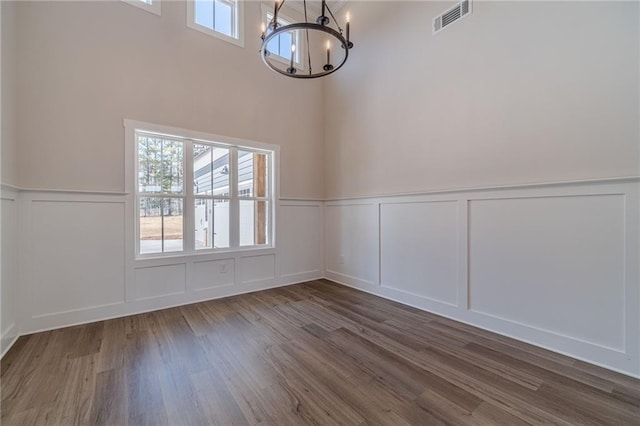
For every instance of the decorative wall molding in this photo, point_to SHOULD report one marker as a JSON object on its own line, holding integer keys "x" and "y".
{"x": 59, "y": 191}
{"x": 14, "y": 188}
{"x": 9, "y": 337}
{"x": 134, "y": 285}
{"x": 554, "y": 265}
{"x": 382, "y": 238}
{"x": 10, "y": 216}
{"x": 580, "y": 182}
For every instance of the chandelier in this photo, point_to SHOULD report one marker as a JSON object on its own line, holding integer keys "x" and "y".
{"x": 311, "y": 49}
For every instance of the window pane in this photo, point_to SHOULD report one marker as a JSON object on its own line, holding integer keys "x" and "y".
{"x": 172, "y": 224}
{"x": 223, "y": 17}
{"x": 150, "y": 225}
{"x": 274, "y": 46}
{"x": 285, "y": 45}
{"x": 204, "y": 13}
{"x": 281, "y": 44}
{"x": 149, "y": 164}
{"x": 160, "y": 225}
{"x": 211, "y": 224}
{"x": 159, "y": 165}
{"x": 254, "y": 217}
{"x": 172, "y": 170}
{"x": 211, "y": 170}
{"x": 252, "y": 174}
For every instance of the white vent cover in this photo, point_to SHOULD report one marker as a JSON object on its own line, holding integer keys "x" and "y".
{"x": 452, "y": 15}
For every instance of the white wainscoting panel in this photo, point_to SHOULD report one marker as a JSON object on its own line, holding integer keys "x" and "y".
{"x": 9, "y": 267}
{"x": 299, "y": 238}
{"x": 352, "y": 242}
{"x": 257, "y": 268}
{"x": 211, "y": 274}
{"x": 79, "y": 265}
{"x": 419, "y": 249}
{"x": 159, "y": 281}
{"x": 76, "y": 255}
{"x": 553, "y": 263}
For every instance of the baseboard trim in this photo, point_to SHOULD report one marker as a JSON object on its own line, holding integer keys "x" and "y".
{"x": 9, "y": 338}
{"x": 242, "y": 289}
{"x": 349, "y": 279}
{"x": 8, "y": 342}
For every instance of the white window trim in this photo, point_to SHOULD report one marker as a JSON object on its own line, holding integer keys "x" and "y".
{"x": 155, "y": 7}
{"x": 132, "y": 208}
{"x": 239, "y": 24}
{"x": 301, "y": 48}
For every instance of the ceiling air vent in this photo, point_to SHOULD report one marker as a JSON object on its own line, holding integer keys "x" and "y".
{"x": 452, "y": 15}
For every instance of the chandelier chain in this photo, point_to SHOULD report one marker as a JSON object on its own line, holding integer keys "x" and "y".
{"x": 306, "y": 19}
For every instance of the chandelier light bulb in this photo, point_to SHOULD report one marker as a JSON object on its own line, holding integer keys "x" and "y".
{"x": 349, "y": 44}
{"x": 292, "y": 70}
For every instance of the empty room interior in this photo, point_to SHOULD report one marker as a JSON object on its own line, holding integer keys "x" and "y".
{"x": 291, "y": 212}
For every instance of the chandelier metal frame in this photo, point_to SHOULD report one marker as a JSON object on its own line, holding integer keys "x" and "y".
{"x": 322, "y": 23}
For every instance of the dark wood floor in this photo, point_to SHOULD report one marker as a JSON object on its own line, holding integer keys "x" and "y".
{"x": 314, "y": 353}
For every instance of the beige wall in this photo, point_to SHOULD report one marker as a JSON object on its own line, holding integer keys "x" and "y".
{"x": 517, "y": 92}
{"x": 8, "y": 149}
{"x": 84, "y": 66}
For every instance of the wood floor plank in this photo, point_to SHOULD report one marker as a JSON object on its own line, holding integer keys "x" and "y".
{"x": 109, "y": 405}
{"x": 601, "y": 401}
{"x": 111, "y": 354}
{"x": 556, "y": 363}
{"x": 144, "y": 396}
{"x": 488, "y": 414}
{"x": 316, "y": 401}
{"x": 216, "y": 402}
{"x": 42, "y": 416}
{"x": 77, "y": 391}
{"x": 179, "y": 397}
{"x": 315, "y": 353}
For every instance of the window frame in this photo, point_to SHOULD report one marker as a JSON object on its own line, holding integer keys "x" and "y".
{"x": 300, "y": 47}
{"x": 237, "y": 23}
{"x": 155, "y": 7}
{"x": 188, "y": 138}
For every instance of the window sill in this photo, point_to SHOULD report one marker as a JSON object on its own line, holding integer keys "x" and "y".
{"x": 213, "y": 33}
{"x": 182, "y": 257}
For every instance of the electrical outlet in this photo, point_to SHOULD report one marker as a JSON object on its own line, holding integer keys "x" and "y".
{"x": 341, "y": 260}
